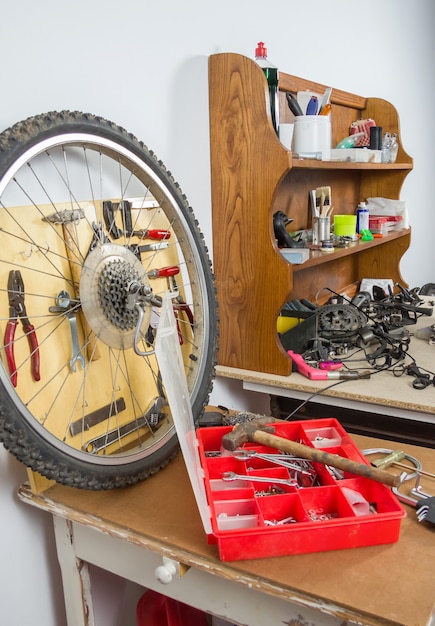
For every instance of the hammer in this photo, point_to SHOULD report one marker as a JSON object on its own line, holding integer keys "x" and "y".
{"x": 258, "y": 431}
{"x": 69, "y": 220}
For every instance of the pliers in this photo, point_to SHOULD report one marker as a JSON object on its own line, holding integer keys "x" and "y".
{"x": 17, "y": 310}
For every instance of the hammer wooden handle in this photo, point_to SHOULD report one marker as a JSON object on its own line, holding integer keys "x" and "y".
{"x": 320, "y": 456}
{"x": 73, "y": 254}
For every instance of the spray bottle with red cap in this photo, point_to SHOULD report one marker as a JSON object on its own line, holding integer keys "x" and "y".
{"x": 271, "y": 74}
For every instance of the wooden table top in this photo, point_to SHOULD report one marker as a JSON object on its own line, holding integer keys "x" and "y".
{"x": 388, "y": 584}
{"x": 383, "y": 388}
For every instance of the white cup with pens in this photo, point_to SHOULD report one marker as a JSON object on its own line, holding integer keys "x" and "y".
{"x": 312, "y": 137}
{"x": 312, "y": 125}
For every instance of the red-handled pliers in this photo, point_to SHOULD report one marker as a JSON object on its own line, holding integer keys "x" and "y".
{"x": 17, "y": 310}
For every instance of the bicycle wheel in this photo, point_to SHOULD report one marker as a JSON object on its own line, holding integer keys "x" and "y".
{"x": 94, "y": 230}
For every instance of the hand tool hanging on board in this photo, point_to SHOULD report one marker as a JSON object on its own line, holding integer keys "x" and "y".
{"x": 65, "y": 306}
{"x": 17, "y": 310}
{"x": 69, "y": 220}
{"x": 124, "y": 207}
{"x": 179, "y": 304}
{"x": 164, "y": 272}
{"x": 259, "y": 431}
{"x": 129, "y": 230}
{"x": 109, "y": 220}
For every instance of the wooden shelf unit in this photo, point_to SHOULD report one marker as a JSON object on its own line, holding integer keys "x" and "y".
{"x": 252, "y": 176}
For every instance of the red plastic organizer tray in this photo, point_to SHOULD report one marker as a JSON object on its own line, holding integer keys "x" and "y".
{"x": 252, "y": 519}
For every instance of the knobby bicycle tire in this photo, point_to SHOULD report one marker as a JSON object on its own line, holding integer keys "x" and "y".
{"x": 96, "y": 229}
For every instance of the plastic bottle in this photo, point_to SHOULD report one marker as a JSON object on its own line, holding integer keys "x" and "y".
{"x": 350, "y": 141}
{"x": 272, "y": 75}
{"x": 386, "y": 148}
{"x": 362, "y": 217}
{"x": 394, "y": 147}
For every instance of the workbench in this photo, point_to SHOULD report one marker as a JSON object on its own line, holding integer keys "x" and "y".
{"x": 383, "y": 393}
{"x": 154, "y": 529}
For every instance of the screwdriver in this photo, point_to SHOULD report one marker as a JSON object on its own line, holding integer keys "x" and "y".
{"x": 170, "y": 270}
{"x": 152, "y": 234}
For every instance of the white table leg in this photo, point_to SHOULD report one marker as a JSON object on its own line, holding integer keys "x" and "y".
{"x": 75, "y": 576}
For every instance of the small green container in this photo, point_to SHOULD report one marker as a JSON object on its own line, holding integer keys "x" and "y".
{"x": 344, "y": 225}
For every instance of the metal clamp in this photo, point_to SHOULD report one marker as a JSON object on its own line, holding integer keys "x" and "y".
{"x": 406, "y": 499}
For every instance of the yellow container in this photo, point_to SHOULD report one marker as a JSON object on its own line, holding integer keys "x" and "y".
{"x": 344, "y": 225}
{"x": 284, "y": 323}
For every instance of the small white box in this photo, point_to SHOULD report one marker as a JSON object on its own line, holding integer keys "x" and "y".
{"x": 356, "y": 155}
{"x": 295, "y": 255}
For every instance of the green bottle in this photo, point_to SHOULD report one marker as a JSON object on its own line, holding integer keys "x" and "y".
{"x": 272, "y": 76}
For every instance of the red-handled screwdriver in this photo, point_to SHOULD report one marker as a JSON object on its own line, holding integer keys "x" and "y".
{"x": 164, "y": 272}
{"x": 152, "y": 233}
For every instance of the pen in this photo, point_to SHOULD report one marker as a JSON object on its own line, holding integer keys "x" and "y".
{"x": 326, "y": 110}
{"x": 312, "y": 106}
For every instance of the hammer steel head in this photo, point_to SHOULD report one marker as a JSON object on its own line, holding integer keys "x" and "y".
{"x": 67, "y": 216}
{"x": 245, "y": 431}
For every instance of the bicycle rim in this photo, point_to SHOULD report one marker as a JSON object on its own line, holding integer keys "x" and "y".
{"x": 98, "y": 230}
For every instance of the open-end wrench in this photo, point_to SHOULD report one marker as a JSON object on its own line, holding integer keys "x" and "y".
{"x": 64, "y": 305}
{"x": 283, "y": 460}
{"x": 76, "y": 354}
{"x": 228, "y": 476}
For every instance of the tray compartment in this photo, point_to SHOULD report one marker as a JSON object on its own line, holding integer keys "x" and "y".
{"x": 215, "y": 467}
{"x": 211, "y": 439}
{"x": 236, "y": 514}
{"x": 382, "y": 501}
{"x": 290, "y": 430}
{"x": 282, "y": 511}
{"x": 323, "y": 437}
{"x": 323, "y": 504}
{"x": 329, "y": 475}
{"x": 232, "y": 494}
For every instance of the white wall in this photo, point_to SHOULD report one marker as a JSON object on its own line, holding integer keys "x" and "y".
{"x": 143, "y": 65}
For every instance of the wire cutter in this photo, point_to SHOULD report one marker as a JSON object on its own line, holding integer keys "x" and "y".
{"x": 17, "y": 310}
